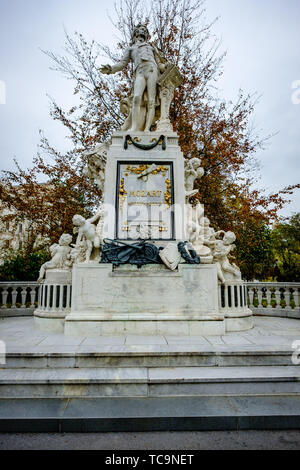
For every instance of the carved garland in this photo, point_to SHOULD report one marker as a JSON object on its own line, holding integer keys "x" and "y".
{"x": 161, "y": 140}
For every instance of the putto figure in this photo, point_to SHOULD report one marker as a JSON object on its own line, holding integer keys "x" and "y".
{"x": 222, "y": 247}
{"x": 87, "y": 232}
{"x": 154, "y": 83}
{"x": 96, "y": 162}
{"x": 192, "y": 171}
{"x": 60, "y": 256}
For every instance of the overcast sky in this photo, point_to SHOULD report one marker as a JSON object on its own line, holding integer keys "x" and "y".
{"x": 262, "y": 39}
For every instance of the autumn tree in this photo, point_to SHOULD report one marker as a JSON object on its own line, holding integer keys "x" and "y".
{"x": 286, "y": 247}
{"x": 208, "y": 126}
{"x": 47, "y": 206}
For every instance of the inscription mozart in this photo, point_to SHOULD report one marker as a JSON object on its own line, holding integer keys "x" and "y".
{"x": 145, "y": 199}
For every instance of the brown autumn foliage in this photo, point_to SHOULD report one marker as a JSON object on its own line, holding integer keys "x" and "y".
{"x": 218, "y": 130}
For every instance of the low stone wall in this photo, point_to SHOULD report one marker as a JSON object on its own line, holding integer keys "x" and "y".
{"x": 18, "y": 298}
{"x": 263, "y": 298}
{"x": 275, "y": 299}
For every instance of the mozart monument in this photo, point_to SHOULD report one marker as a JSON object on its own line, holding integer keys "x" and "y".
{"x": 148, "y": 261}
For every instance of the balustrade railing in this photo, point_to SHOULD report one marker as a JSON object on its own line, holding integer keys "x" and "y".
{"x": 233, "y": 297}
{"x": 263, "y": 298}
{"x": 18, "y": 297}
{"x": 274, "y": 298}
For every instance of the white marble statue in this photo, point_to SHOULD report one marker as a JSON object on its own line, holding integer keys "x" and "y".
{"x": 195, "y": 231}
{"x": 192, "y": 171}
{"x": 100, "y": 224}
{"x": 60, "y": 256}
{"x": 78, "y": 252}
{"x": 87, "y": 231}
{"x": 96, "y": 162}
{"x": 209, "y": 233}
{"x": 154, "y": 84}
{"x": 221, "y": 249}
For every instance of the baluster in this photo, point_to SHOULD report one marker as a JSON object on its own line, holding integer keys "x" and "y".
{"x": 54, "y": 298}
{"x": 219, "y": 296}
{"x": 287, "y": 295}
{"x": 48, "y": 298}
{"x": 238, "y": 297}
{"x": 61, "y": 297}
{"x": 226, "y": 296}
{"x": 32, "y": 296}
{"x": 277, "y": 296}
{"x": 268, "y": 297}
{"x": 296, "y": 297}
{"x": 68, "y": 297}
{"x": 251, "y": 296}
{"x": 44, "y": 297}
{"x": 23, "y": 296}
{"x": 259, "y": 297}
{"x": 4, "y": 297}
{"x": 14, "y": 297}
{"x": 40, "y": 296}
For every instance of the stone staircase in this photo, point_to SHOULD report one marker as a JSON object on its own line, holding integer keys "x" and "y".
{"x": 136, "y": 390}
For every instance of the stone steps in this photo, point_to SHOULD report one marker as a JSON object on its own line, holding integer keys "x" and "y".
{"x": 149, "y": 382}
{"x": 132, "y": 383}
{"x": 121, "y": 414}
{"x": 136, "y": 357}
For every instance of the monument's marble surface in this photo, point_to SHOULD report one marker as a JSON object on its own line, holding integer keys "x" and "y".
{"x": 148, "y": 261}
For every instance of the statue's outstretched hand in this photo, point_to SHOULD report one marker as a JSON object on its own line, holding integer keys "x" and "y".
{"x": 106, "y": 69}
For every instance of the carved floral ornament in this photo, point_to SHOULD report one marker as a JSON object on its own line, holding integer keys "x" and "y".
{"x": 154, "y": 170}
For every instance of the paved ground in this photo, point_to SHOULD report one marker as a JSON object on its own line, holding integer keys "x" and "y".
{"x": 269, "y": 334}
{"x": 20, "y": 335}
{"x": 221, "y": 440}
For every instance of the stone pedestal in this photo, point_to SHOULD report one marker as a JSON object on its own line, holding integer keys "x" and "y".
{"x": 144, "y": 197}
{"x": 156, "y": 200}
{"x": 147, "y": 301}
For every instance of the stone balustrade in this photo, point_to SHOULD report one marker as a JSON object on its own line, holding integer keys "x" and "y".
{"x": 54, "y": 297}
{"x": 54, "y": 300}
{"x": 18, "y": 298}
{"x": 233, "y": 296}
{"x": 263, "y": 298}
{"x": 274, "y": 298}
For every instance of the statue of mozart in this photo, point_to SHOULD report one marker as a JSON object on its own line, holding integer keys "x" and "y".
{"x": 155, "y": 80}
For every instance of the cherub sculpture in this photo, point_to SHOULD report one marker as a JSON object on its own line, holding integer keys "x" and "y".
{"x": 195, "y": 231}
{"x": 78, "y": 252}
{"x": 87, "y": 231}
{"x": 221, "y": 249}
{"x": 192, "y": 172}
{"x": 60, "y": 256}
{"x": 209, "y": 235}
{"x": 96, "y": 162}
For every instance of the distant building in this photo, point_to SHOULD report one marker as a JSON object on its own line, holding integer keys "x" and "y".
{"x": 14, "y": 235}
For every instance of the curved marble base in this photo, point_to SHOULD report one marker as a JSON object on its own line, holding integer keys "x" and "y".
{"x": 54, "y": 301}
{"x": 234, "y": 324}
{"x": 151, "y": 301}
{"x": 48, "y": 323}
